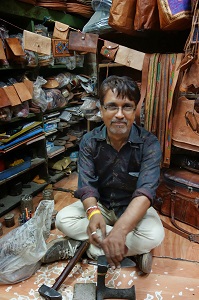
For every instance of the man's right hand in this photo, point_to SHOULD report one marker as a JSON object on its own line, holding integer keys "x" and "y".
{"x": 96, "y": 222}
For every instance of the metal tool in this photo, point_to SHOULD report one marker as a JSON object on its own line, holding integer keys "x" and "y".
{"x": 51, "y": 293}
{"x": 104, "y": 292}
{"x": 89, "y": 291}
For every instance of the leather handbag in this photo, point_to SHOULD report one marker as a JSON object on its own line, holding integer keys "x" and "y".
{"x": 121, "y": 17}
{"x": 61, "y": 30}
{"x": 36, "y": 42}
{"x": 83, "y": 42}
{"x": 14, "y": 50}
{"x": 185, "y": 133}
{"x": 109, "y": 50}
{"x": 178, "y": 198}
{"x": 146, "y": 15}
{"x": 130, "y": 57}
{"x": 60, "y": 48}
{"x": 175, "y": 15}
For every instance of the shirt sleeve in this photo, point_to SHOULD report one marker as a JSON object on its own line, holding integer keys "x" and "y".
{"x": 149, "y": 175}
{"x": 87, "y": 178}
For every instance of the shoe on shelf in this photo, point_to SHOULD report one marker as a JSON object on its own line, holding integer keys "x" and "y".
{"x": 144, "y": 262}
{"x": 59, "y": 249}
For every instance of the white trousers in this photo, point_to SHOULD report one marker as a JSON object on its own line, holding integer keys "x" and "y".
{"x": 148, "y": 234}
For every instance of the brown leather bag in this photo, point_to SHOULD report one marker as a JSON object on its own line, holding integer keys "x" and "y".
{"x": 83, "y": 42}
{"x": 61, "y": 30}
{"x": 121, "y": 17}
{"x": 146, "y": 15}
{"x": 109, "y": 50}
{"x": 185, "y": 133}
{"x": 178, "y": 198}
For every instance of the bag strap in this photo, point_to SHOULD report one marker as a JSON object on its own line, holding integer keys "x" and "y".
{"x": 177, "y": 229}
{"x": 145, "y": 70}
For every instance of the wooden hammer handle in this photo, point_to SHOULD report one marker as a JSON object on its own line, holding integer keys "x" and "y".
{"x": 80, "y": 251}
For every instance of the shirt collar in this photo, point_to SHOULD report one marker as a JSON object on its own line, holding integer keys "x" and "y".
{"x": 135, "y": 134}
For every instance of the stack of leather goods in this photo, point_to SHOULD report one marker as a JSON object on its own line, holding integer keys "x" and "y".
{"x": 72, "y": 6}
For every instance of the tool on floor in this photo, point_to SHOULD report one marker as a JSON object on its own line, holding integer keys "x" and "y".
{"x": 51, "y": 293}
{"x": 104, "y": 292}
{"x": 89, "y": 291}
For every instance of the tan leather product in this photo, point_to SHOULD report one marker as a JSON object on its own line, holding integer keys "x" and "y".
{"x": 12, "y": 95}
{"x": 14, "y": 51}
{"x": 109, "y": 50}
{"x": 61, "y": 30}
{"x": 22, "y": 91}
{"x": 36, "y": 42}
{"x": 122, "y": 14}
{"x": 83, "y": 42}
{"x": 29, "y": 84}
{"x": 4, "y": 100}
{"x": 146, "y": 15}
{"x": 185, "y": 132}
{"x": 130, "y": 57}
{"x": 2, "y": 51}
{"x": 178, "y": 198}
{"x": 174, "y": 16}
{"x": 143, "y": 89}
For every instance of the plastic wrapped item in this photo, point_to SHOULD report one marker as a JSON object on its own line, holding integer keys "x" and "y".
{"x": 63, "y": 79}
{"x": 89, "y": 107}
{"x": 98, "y": 23}
{"x": 23, "y": 247}
{"x": 39, "y": 96}
{"x": 21, "y": 110}
{"x": 54, "y": 98}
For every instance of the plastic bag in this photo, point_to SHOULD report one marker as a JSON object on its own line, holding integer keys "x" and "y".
{"x": 23, "y": 247}
{"x": 39, "y": 96}
{"x": 98, "y": 23}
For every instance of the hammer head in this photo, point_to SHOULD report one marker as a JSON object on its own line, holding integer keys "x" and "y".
{"x": 49, "y": 293}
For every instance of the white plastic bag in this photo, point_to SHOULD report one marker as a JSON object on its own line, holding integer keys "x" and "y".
{"x": 23, "y": 247}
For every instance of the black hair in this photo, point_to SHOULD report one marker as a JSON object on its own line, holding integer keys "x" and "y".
{"x": 124, "y": 86}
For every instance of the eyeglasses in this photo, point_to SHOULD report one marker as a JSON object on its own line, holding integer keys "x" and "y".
{"x": 114, "y": 109}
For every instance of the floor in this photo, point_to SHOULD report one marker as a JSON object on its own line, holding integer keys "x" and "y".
{"x": 174, "y": 275}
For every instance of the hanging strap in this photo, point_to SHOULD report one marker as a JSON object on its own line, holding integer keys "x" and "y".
{"x": 145, "y": 70}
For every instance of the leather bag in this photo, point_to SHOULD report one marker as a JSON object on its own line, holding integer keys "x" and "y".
{"x": 130, "y": 57}
{"x": 2, "y": 51}
{"x": 122, "y": 14}
{"x": 60, "y": 48}
{"x": 61, "y": 30}
{"x": 36, "y": 42}
{"x": 175, "y": 15}
{"x": 109, "y": 50}
{"x": 14, "y": 50}
{"x": 146, "y": 15}
{"x": 178, "y": 198}
{"x": 185, "y": 122}
{"x": 83, "y": 42}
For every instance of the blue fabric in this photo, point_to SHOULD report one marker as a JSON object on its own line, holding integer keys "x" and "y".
{"x": 115, "y": 178}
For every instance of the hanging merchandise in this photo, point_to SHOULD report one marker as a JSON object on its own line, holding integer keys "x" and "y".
{"x": 122, "y": 14}
{"x": 175, "y": 14}
{"x": 36, "y": 42}
{"x": 61, "y": 30}
{"x": 160, "y": 82}
{"x": 185, "y": 125}
{"x": 83, "y": 42}
{"x": 129, "y": 57}
{"x": 190, "y": 62}
{"x": 146, "y": 16}
{"x": 109, "y": 50}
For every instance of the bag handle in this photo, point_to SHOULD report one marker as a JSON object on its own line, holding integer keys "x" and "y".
{"x": 179, "y": 230}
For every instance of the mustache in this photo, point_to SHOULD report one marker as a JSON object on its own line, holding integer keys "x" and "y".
{"x": 116, "y": 121}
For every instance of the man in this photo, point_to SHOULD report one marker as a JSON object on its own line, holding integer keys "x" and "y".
{"x": 119, "y": 169}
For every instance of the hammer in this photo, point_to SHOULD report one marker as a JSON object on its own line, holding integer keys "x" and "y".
{"x": 51, "y": 293}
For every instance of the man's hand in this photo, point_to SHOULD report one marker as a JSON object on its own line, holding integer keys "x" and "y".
{"x": 114, "y": 247}
{"x": 96, "y": 222}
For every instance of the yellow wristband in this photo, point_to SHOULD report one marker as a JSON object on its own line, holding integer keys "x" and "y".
{"x": 97, "y": 211}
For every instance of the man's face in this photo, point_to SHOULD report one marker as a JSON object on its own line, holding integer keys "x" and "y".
{"x": 118, "y": 114}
